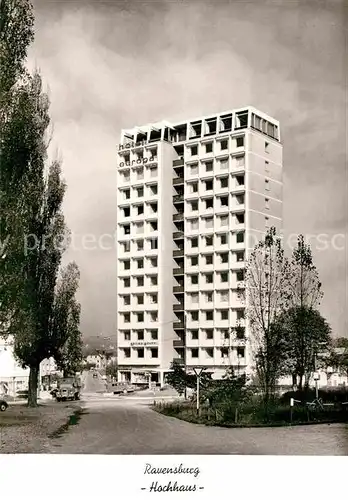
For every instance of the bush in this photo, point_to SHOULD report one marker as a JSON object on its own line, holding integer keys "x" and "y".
{"x": 337, "y": 395}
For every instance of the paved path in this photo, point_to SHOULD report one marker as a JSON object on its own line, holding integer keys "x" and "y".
{"x": 129, "y": 426}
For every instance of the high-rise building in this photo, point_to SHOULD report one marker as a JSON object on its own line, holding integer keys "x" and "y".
{"x": 193, "y": 198}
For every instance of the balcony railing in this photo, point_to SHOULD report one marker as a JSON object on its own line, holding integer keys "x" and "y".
{"x": 178, "y": 234}
{"x": 178, "y": 343}
{"x": 178, "y": 289}
{"x": 178, "y": 217}
{"x": 179, "y": 307}
{"x": 178, "y": 163}
{"x": 178, "y": 253}
{"x": 178, "y": 198}
{"x": 178, "y": 361}
{"x": 178, "y": 325}
{"x": 178, "y": 270}
{"x": 178, "y": 180}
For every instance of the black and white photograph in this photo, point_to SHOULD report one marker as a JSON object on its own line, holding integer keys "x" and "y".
{"x": 173, "y": 242}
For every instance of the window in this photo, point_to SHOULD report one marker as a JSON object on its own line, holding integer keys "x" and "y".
{"x": 240, "y": 275}
{"x": 194, "y": 242}
{"x": 240, "y": 332}
{"x": 240, "y": 141}
{"x": 153, "y": 262}
{"x": 223, "y": 238}
{"x": 154, "y": 334}
{"x": 240, "y": 180}
{"x": 240, "y": 352}
{"x": 208, "y": 296}
{"x": 153, "y": 208}
{"x": 224, "y": 144}
{"x": 140, "y": 263}
{"x": 240, "y": 256}
{"x": 140, "y": 245}
{"x": 208, "y": 166}
{"x": 193, "y": 224}
{"x": 224, "y": 315}
{"x": 209, "y": 240}
{"x": 126, "y": 317}
{"x": 193, "y": 205}
{"x": 209, "y": 203}
{"x": 194, "y": 298}
{"x": 267, "y": 147}
{"x": 194, "y": 334}
{"x": 140, "y": 299}
{"x": 208, "y": 260}
{"x": 194, "y": 279}
{"x": 194, "y": 169}
{"x": 140, "y": 317}
{"x": 209, "y": 334}
{"x": 267, "y": 167}
{"x": 209, "y": 352}
{"x": 154, "y": 244}
{"x": 140, "y": 352}
{"x": 125, "y": 176}
{"x": 126, "y": 212}
{"x": 139, "y": 228}
{"x": 240, "y": 218}
{"x": 126, "y": 300}
{"x": 154, "y": 225}
{"x": 154, "y": 352}
{"x": 267, "y": 222}
{"x": 208, "y": 222}
{"x": 140, "y": 334}
{"x": 240, "y": 199}
{"x": 223, "y": 277}
{"x": 194, "y": 187}
{"x": 240, "y": 314}
{"x": 223, "y": 296}
{"x": 153, "y": 172}
{"x": 153, "y": 317}
{"x": 209, "y": 147}
{"x": 140, "y": 192}
{"x": 194, "y": 353}
{"x": 126, "y": 282}
{"x": 223, "y": 182}
{"x": 224, "y": 201}
{"x": 153, "y": 298}
{"x": 126, "y": 194}
{"x": 240, "y": 161}
{"x": 209, "y": 315}
{"x": 140, "y": 173}
{"x": 224, "y": 258}
{"x": 223, "y": 220}
{"x": 267, "y": 203}
{"x": 153, "y": 189}
{"x": 126, "y": 229}
{"x": 126, "y": 246}
{"x": 209, "y": 185}
{"x": 127, "y": 352}
{"x": 224, "y": 352}
{"x": 126, "y": 265}
{"x": 209, "y": 277}
{"x": 194, "y": 150}
{"x": 140, "y": 280}
{"x": 240, "y": 237}
{"x": 194, "y": 261}
{"x": 224, "y": 164}
{"x": 194, "y": 315}
{"x": 126, "y": 334}
{"x": 267, "y": 184}
{"x": 153, "y": 280}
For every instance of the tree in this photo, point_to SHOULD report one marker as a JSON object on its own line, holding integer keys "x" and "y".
{"x": 179, "y": 379}
{"x": 67, "y": 338}
{"x": 307, "y": 335}
{"x": 306, "y": 329}
{"x": 266, "y": 295}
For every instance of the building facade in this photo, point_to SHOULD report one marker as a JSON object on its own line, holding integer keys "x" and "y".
{"x": 193, "y": 198}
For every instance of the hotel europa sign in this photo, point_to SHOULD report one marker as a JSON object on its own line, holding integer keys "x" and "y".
{"x": 143, "y": 344}
{"x": 138, "y": 161}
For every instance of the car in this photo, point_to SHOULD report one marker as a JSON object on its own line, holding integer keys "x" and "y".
{"x": 3, "y": 405}
{"x": 122, "y": 388}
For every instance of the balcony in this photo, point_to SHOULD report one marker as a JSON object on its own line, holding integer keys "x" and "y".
{"x": 179, "y": 307}
{"x": 178, "y": 289}
{"x": 178, "y": 163}
{"x": 179, "y": 343}
{"x": 178, "y": 198}
{"x": 178, "y": 253}
{"x": 178, "y": 325}
{"x": 178, "y": 235}
{"x": 178, "y": 361}
{"x": 178, "y": 180}
{"x": 178, "y": 270}
{"x": 178, "y": 217}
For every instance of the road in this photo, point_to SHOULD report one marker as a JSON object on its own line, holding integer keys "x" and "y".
{"x": 128, "y": 425}
{"x": 92, "y": 385}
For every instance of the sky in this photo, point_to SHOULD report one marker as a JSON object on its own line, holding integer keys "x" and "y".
{"x": 116, "y": 64}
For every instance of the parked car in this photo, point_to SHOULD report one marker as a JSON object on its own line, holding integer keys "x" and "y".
{"x": 122, "y": 388}
{"x": 3, "y": 405}
{"x": 68, "y": 388}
